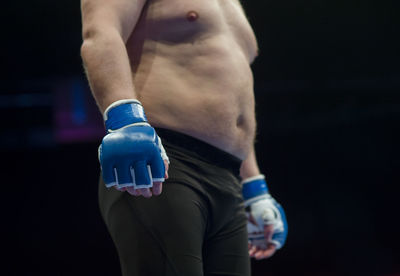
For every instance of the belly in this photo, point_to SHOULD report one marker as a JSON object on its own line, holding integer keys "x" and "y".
{"x": 205, "y": 91}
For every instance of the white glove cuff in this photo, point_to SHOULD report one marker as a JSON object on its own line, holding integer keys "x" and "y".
{"x": 117, "y": 103}
{"x": 249, "y": 179}
{"x": 164, "y": 155}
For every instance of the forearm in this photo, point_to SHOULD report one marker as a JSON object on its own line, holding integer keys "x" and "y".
{"x": 107, "y": 67}
{"x": 249, "y": 166}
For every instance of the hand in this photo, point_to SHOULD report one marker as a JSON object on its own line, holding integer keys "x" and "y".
{"x": 264, "y": 251}
{"x": 267, "y": 225}
{"x": 147, "y": 192}
{"x": 131, "y": 155}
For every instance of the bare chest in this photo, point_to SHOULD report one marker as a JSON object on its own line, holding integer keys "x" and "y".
{"x": 189, "y": 21}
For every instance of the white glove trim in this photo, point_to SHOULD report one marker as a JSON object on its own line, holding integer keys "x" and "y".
{"x": 164, "y": 155}
{"x": 117, "y": 103}
{"x": 135, "y": 124}
{"x": 249, "y": 179}
{"x": 257, "y": 198}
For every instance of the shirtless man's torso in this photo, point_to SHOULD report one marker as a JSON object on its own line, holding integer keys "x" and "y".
{"x": 191, "y": 70}
{"x": 190, "y": 64}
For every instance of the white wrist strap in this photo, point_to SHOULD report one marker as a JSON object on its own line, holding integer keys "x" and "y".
{"x": 117, "y": 103}
{"x": 249, "y": 179}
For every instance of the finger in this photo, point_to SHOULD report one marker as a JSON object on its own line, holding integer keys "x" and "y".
{"x": 109, "y": 175}
{"x": 166, "y": 164}
{"x": 107, "y": 170}
{"x": 123, "y": 174}
{"x": 141, "y": 174}
{"x": 133, "y": 191}
{"x": 123, "y": 189}
{"x": 157, "y": 188}
{"x": 268, "y": 232}
{"x": 157, "y": 168}
{"x": 252, "y": 250}
{"x": 265, "y": 253}
{"x": 145, "y": 192}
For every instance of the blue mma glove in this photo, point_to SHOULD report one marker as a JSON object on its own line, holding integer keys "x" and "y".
{"x": 263, "y": 210}
{"x": 131, "y": 154}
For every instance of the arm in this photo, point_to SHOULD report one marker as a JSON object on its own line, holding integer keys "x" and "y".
{"x": 106, "y": 26}
{"x": 267, "y": 226}
{"x": 249, "y": 166}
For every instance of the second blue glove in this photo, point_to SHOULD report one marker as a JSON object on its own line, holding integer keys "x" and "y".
{"x": 262, "y": 210}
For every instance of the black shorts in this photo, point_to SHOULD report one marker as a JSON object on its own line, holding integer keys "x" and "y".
{"x": 196, "y": 227}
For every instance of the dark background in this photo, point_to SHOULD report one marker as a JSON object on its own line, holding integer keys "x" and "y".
{"x": 328, "y": 109}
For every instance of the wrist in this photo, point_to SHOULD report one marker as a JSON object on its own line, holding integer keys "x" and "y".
{"x": 254, "y": 186}
{"x": 122, "y": 113}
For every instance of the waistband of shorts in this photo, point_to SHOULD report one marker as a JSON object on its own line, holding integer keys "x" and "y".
{"x": 202, "y": 150}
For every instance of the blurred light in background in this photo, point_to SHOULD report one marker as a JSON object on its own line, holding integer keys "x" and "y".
{"x": 77, "y": 118}
{"x": 44, "y": 113}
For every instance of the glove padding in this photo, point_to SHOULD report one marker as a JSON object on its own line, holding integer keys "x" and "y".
{"x": 131, "y": 154}
{"x": 263, "y": 210}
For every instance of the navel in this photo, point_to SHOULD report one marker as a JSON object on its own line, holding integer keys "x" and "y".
{"x": 192, "y": 16}
{"x": 240, "y": 120}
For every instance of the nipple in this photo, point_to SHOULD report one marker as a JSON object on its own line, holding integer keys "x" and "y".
{"x": 192, "y": 16}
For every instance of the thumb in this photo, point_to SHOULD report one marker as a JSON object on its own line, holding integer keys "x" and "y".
{"x": 166, "y": 164}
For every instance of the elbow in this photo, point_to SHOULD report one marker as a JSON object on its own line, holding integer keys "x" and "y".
{"x": 89, "y": 34}
{"x": 98, "y": 38}
{"x": 91, "y": 38}
{"x": 85, "y": 50}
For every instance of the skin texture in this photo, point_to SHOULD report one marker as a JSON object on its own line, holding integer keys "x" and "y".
{"x": 188, "y": 62}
